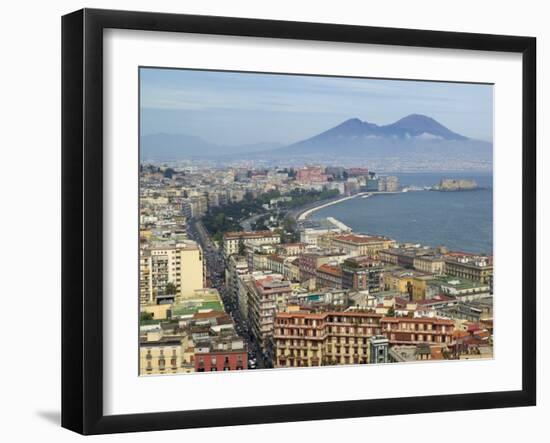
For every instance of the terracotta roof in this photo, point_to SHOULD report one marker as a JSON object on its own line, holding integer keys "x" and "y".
{"x": 330, "y": 269}
{"x": 353, "y": 238}
{"x": 210, "y": 314}
{"x": 277, "y": 258}
{"x": 436, "y": 352}
{"x": 249, "y": 234}
{"x": 322, "y": 315}
{"x": 439, "y": 321}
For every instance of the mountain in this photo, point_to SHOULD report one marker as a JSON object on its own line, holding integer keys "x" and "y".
{"x": 415, "y": 141}
{"x": 414, "y": 125}
{"x": 165, "y": 147}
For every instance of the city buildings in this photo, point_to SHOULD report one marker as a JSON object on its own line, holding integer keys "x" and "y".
{"x": 266, "y": 296}
{"x": 359, "y": 244}
{"x": 311, "y": 174}
{"x": 362, "y": 273}
{"x": 232, "y": 241}
{"x": 326, "y": 338}
{"x": 329, "y": 276}
{"x": 409, "y": 283}
{"x": 165, "y": 355}
{"x": 471, "y": 267}
{"x": 221, "y": 353}
{"x": 170, "y": 271}
{"x": 235, "y": 299}
{"x": 404, "y": 330}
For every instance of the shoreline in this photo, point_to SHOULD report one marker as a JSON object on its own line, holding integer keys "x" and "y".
{"x": 305, "y": 213}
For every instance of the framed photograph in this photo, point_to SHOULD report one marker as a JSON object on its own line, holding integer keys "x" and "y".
{"x": 269, "y": 221}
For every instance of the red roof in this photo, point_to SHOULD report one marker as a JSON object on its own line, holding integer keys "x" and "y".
{"x": 353, "y": 238}
{"x": 330, "y": 269}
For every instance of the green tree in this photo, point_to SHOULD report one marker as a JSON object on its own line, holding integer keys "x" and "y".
{"x": 144, "y": 316}
{"x": 169, "y": 173}
{"x": 170, "y": 288}
{"x": 241, "y": 247}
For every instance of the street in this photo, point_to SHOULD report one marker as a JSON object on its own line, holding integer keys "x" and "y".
{"x": 215, "y": 276}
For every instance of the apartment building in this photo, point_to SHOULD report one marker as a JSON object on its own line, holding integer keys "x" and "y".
{"x": 180, "y": 264}
{"x": 326, "y": 338}
{"x": 408, "y": 282}
{"x": 362, "y": 273}
{"x": 161, "y": 354}
{"x": 237, "y": 266}
{"x": 470, "y": 267}
{"x": 329, "y": 276}
{"x": 404, "y": 330}
{"x": 233, "y": 240}
{"x": 221, "y": 353}
{"x": 266, "y": 296}
{"x": 359, "y": 244}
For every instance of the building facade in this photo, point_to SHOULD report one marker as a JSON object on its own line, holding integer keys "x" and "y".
{"x": 362, "y": 273}
{"x": 327, "y": 338}
{"x": 404, "y": 330}
{"x": 180, "y": 264}
{"x": 233, "y": 240}
{"x": 266, "y": 296}
{"x": 221, "y": 354}
{"x": 361, "y": 245}
{"x": 470, "y": 267}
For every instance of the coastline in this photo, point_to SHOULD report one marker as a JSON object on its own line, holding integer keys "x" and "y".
{"x": 304, "y": 213}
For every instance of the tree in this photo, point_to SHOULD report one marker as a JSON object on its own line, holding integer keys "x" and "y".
{"x": 391, "y": 312}
{"x": 144, "y": 316}
{"x": 168, "y": 173}
{"x": 170, "y": 288}
{"x": 241, "y": 247}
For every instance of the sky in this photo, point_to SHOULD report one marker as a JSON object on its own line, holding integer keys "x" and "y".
{"x": 234, "y": 108}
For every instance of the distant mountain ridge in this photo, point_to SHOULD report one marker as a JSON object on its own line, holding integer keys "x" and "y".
{"x": 414, "y": 125}
{"x": 168, "y": 147}
{"x": 415, "y": 142}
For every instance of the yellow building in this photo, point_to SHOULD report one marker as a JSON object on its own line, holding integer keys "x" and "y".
{"x": 233, "y": 240}
{"x": 407, "y": 282}
{"x": 159, "y": 312}
{"x": 470, "y": 267}
{"x": 160, "y": 354}
{"x": 430, "y": 264}
{"x": 180, "y": 264}
{"x": 361, "y": 245}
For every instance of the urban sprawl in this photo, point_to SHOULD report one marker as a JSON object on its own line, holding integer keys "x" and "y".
{"x": 235, "y": 276}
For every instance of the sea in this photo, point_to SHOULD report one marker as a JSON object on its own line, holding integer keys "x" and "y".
{"x": 461, "y": 221}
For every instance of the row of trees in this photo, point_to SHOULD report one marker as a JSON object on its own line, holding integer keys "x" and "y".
{"x": 227, "y": 218}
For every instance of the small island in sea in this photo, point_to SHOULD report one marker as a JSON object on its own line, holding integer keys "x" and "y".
{"x": 452, "y": 185}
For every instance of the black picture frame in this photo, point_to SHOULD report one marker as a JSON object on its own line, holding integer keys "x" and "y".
{"x": 82, "y": 218}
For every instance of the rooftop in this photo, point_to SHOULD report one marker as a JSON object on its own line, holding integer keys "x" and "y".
{"x": 330, "y": 269}
{"x": 248, "y": 234}
{"x": 359, "y": 239}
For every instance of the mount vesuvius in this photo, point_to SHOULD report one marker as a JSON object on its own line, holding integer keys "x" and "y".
{"x": 415, "y": 142}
